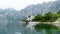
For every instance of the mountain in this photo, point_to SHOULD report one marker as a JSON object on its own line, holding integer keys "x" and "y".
{"x": 41, "y": 8}
{"x": 16, "y": 15}
{"x": 12, "y": 14}
{"x": 3, "y": 21}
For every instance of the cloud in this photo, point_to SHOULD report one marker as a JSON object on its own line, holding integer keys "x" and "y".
{"x": 19, "y": 4}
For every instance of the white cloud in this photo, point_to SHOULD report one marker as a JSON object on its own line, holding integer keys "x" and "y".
{"x": 19, "y": 4}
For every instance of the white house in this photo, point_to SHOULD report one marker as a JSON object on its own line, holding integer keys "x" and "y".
{"x": 30, "y": 18}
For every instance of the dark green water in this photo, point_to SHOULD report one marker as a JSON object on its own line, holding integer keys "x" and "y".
{"x": 48, "y": 28}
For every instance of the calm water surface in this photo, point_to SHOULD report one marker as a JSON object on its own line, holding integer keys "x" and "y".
{"x": 15, "y": 27}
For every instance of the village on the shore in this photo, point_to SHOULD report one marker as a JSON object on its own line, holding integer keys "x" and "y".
{"x": 31, "y": 21}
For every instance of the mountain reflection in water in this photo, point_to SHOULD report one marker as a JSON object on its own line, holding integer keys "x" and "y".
{"x": 15, "y": 27}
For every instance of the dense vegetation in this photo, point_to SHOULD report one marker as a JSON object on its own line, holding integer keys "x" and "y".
{"x": 48, "y": 17}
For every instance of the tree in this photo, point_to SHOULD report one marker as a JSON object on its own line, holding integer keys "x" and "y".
{"x": 58, "y": 14}
{"x": 54, "y": 17}
{"x": 47, "y": 16}
{"x": 38, "y": 18}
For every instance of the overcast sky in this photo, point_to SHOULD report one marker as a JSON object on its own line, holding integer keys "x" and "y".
{"x": 19, "y": 4}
